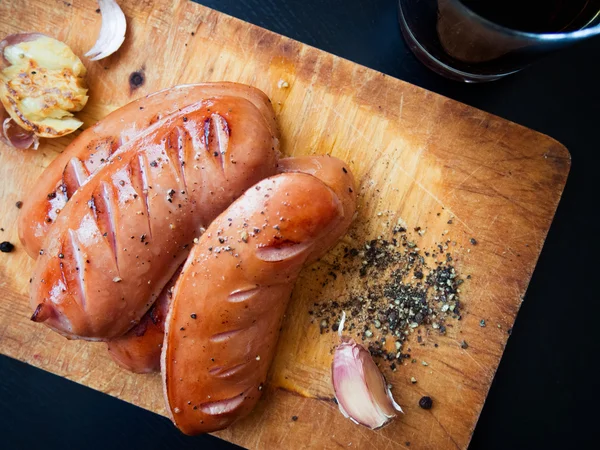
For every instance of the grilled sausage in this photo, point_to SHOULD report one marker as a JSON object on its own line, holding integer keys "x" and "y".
{"x": 92, "y": 148}
{"x": 228, "y": 304}
{"x": 125, "y": 231}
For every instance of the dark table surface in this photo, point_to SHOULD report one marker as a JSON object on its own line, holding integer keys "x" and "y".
{"x": 545, "y": 389}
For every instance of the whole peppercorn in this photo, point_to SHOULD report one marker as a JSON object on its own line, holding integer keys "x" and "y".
{"x": 426, "y": 402}
{"x": 6, "y": 247}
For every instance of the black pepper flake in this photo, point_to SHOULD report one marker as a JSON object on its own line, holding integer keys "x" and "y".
{"x": 154, "y": 164}
{"x": 473, "y": 241}
{"x": 464, "y": 345}
{"x": 51, "y": 195}
{"x": 193, "y": 316}
{"x": 6, "y": 247}
{"x": 19, "y": 204}
{"x": 294, "y": 418}
{"x": 426, "y": 402}
{"x": 61, "y": 256}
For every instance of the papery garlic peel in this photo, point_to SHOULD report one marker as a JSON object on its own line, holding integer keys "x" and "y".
{"x": 112, "y": 30}
{"x": 360, "y": 388}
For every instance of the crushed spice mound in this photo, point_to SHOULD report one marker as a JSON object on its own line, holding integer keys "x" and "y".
{"x": 403, "y": 289}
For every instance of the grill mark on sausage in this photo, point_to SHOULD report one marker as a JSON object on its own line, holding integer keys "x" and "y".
{"x": 226, "y": 372}
{"x": 225, "y": 336}
{"x": 139, "y": 181}
{"x": 76, "y": 257}
{"x": 242, "y": 295}
{"x": 105, "y": 217}
{"x": 216, "y": 138}
{"x": 175, "y": 150}
{"x": 225, "y": 406}
{"x": 184, "y": 139}
{"x": 282, "y": 250}
{"x": 74, "y": 175}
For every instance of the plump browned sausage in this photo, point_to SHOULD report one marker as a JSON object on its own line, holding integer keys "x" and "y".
{"x": 123, "y": 234}
{"x": 228, "y": 304}
{"x": 92, "y": 148}
{"x": 139, "y": 349}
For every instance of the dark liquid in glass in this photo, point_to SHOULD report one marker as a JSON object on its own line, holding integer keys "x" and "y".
{"x": 449, "y": 38}
{"x": 537, "y": 16}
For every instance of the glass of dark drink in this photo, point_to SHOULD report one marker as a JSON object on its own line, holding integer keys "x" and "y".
{"x": 483, "y": 40}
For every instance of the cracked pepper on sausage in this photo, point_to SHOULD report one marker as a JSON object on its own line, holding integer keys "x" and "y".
{"x": 139, "y": 349}
{"x": 124, "y": 232}
{"x": 92, "y": 148}
{"x": 228, "y": 304}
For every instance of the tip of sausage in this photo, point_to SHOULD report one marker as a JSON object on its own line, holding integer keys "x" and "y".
{"x": 41, "y": 313}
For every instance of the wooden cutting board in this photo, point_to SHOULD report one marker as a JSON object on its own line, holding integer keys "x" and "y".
{"x": 415, "y": 154}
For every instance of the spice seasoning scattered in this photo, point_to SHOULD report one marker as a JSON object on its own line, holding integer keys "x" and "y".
{"x": 482, "y": 323}
{"x": 401, "y": 287}
{"x": 294, "y": 418}
{"x": 426, "y": 402}
{"x": 6, "y": 247}
{"x": 19, "y": 204}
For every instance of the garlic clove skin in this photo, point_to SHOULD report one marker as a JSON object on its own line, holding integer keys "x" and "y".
{"x": 360, "y": 389}
{"x": 13, "y": 135}
{"x": 112, "y": 30}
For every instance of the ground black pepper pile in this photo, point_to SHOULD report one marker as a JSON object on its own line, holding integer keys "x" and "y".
{"x": 401, "y": 287}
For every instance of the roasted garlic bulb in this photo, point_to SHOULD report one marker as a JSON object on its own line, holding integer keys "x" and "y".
{"x": 41, "y": 84}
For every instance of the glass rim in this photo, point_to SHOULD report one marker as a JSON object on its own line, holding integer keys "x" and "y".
{"x": 569, "y": 35}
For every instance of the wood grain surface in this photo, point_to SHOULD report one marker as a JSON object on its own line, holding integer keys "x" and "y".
{"x": 415, "y": 154}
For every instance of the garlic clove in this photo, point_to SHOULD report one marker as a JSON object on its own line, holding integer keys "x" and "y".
{"x": 360, "y": 388}
{"x": 112, "y": 31}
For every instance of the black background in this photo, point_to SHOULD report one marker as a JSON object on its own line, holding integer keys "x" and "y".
{"x": 545, "y": 391}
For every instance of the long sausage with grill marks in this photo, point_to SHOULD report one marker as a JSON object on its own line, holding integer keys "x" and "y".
{"x": 125, "y": 231}
{"x": 228, "y": 304}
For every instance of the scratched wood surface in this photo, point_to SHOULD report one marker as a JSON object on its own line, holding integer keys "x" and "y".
{"x": 415, "y": 154}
